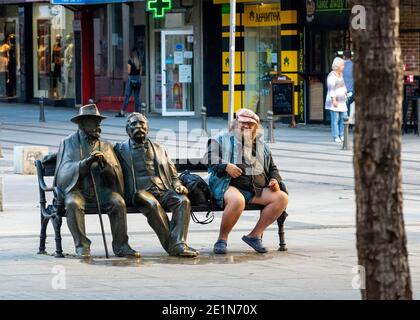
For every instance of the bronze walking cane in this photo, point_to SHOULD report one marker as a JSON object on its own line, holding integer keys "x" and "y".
{"x": 99, "y": 211}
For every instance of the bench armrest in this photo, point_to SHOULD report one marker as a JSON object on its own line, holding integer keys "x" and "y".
{"x": 40, "y": 173}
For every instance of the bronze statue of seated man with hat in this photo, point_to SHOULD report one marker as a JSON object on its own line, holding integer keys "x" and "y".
{"x": 88, "y": 171}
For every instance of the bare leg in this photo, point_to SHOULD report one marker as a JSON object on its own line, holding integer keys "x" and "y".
{"x": 275, "y": 203}
{"x": 234, "y": 206}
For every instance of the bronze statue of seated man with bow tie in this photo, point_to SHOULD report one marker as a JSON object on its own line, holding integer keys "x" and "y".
{"x": 152, "y": 185}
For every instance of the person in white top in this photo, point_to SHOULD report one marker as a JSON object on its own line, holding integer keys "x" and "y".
{"x": 336, "y": 99}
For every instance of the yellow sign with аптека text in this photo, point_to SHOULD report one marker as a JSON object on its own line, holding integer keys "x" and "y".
{"x": 262, "y": 15}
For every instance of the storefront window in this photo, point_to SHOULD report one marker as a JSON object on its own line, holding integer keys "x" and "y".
{"x": 53, "y": 52}
{"x": 9, "y": 52}
{"x": 262, "y": 54}
{"x": 112, "y": 28}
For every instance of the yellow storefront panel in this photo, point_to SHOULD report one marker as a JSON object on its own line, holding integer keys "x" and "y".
{"x": 289, "y": 61}
{"x": 238, "y": 78}
{"x": 294, "y": 77}
{"x": 225, "y": 61}
{"x": 227, "y": 34}
{"x": 288, "y": 17}
{"x": 289, "y": 32}
{"x": 238, "y": 102}
{"x": 296, "y": 104}
{"x": 262, "y": 15}
{"x": 226, "y": 19}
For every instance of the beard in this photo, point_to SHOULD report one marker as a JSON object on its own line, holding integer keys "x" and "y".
{"x": 247, "y": 135}
{"x": 92, "y": 135}
{"x": 139, "y": 135}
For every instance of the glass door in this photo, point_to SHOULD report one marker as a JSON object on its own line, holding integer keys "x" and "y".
{"x": 177, "y": 72}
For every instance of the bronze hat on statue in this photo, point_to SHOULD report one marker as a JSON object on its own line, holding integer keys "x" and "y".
{"x": 89, "y": 110}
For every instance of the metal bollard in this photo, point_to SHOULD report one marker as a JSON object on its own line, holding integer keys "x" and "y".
{"x": 346, "y": 133}
{"x": 41, "y": 110}
{"x": 270, "y": 127}
{"x": 1, "y": 194}
{"x": 418, "y": 115}
{"x": 143, "y": 108}
{"x": 203, "y": 121}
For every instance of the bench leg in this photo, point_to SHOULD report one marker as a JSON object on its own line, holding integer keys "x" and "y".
{"x": 280, "y": 222}
{"x": 43, "y": 234}
{"x": 57, "y": 222}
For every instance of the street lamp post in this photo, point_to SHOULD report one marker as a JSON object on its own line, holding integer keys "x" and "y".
{"x": 232, "y": 30}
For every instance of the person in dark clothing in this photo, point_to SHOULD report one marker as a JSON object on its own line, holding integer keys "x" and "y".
{"x": 242, "y": 171}
{"x": 133, "y": 85}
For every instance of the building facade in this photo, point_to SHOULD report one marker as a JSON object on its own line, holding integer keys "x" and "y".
{"x": 71, "y": 51}
{"x": 266, "y": 48}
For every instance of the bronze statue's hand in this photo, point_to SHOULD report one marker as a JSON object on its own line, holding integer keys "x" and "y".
{"x": 181, "y": 190}
{"x": 97, "y": 156}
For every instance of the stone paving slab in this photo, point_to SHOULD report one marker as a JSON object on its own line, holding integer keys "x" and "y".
{"x": 320, "y": 229}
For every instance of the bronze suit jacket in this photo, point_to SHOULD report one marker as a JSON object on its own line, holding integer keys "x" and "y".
{"x": 166, "y": 167}
{"x": 68, "y": 166}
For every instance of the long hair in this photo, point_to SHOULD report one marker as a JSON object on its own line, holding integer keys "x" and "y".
{"x": 134, "y": 56}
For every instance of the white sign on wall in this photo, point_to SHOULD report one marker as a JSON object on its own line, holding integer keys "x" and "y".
{"x": 185, "y": 74}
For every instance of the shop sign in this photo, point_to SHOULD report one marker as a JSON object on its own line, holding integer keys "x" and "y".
{"x": 159, "y": 7}
{"x": 262, "y": 15}
{"x": 327, "y": 12}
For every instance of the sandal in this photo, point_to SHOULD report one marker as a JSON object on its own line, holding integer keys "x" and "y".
{"x": 255, "y": 243}
{"x": 220, "y": 247}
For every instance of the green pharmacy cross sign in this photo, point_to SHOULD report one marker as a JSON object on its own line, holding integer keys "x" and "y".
{"x": 159, "y": 7}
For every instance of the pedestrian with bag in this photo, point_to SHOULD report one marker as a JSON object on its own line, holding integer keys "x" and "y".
{"x": 336, "y": 100}
{"x": 133, "y": 85}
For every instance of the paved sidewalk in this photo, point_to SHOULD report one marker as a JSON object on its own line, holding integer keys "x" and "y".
{"x": 320, "y": 230}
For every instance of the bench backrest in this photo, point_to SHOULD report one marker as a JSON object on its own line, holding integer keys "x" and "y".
{"x": 194, "y": 164}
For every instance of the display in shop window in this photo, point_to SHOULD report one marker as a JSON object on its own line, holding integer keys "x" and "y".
{"x": 57, "y": 60}
{"x": 68, "y": 64}
{"x": 10, "y": 83}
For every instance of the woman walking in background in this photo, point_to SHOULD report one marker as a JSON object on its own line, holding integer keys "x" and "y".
{"x": 133, "y": 84}
{"x": 336, "y": 99}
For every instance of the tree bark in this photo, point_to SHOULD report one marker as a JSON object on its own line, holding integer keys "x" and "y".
{"x": 381, "y": 238}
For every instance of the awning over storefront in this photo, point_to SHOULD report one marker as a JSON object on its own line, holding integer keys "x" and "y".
{"x": 11, "y": 1}
{"x": 228, "y": 1}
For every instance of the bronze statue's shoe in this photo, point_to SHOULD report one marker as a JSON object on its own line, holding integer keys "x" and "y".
{"x": 184, "y": 251}
{"x": 83, "y": 254}
{"x": 128, "y": 252}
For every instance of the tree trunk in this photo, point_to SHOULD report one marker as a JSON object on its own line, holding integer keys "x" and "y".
{"x": 381, "y": 238}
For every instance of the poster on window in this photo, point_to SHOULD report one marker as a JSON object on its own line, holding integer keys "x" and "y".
{"x": 185, "y": 74}
{"x": 178, "y": 57}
